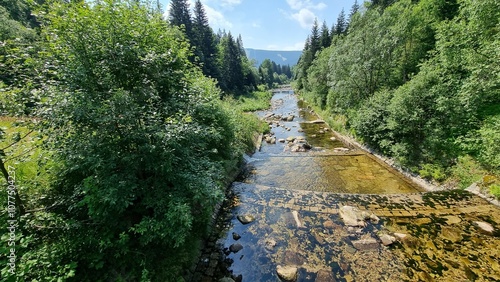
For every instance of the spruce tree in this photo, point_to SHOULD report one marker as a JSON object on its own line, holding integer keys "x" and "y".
{"x": 180, "y": 16}
{"x": 205, "y": 41}
{"x": 341, "y": 26}
{"x": 326, "y": 39}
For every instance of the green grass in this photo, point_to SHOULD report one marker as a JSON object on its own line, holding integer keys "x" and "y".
{"x": 255, "y": 101}
{"x": 23, "y": 152}
{"x": 495, "y": 190}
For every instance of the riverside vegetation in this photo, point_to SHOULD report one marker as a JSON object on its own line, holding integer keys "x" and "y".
{"x": 121, "y": 134}
{"x": 414, "y": 80}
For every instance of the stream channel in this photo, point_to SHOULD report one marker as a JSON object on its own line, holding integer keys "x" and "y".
{"x": 282, "y": 216}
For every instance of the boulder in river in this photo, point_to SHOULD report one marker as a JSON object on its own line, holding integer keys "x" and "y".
{"x": 236, "y": 236}
{"x": 352, "y": 216}
{"x": 387, "y": 239}
{"x": 287, "y": 273}
{"x": 235, "y": 248}
{"x": 290, "y": 118}
{"x": 246, "y": 218}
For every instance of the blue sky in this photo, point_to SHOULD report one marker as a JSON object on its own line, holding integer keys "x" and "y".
{"x": 271, "y": 24}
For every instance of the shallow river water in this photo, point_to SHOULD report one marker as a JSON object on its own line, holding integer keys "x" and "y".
{"x": 283, "y": 214}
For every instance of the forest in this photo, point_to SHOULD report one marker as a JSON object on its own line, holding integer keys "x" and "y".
{"x": 119, "y": 130}
{"x": 418, "y": 81}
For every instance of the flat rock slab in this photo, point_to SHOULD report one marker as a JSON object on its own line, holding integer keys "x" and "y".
{"x": 365, "y": 244}
{"x": 484, "y": 227}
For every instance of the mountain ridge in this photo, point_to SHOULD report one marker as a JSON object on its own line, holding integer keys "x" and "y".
{"x": 279, "y": 57}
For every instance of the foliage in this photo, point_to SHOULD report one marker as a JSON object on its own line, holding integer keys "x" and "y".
{"x": 416, "y": 80}
{"x": 495, "y": 190}
{"x": 272, "y": 74}
{"x": 257, "y": 100}
{"x": 129, "y": 116}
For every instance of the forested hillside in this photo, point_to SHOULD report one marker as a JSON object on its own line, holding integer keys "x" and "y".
{"x": 416, "y": 80}
{"x": 115, "y": 145}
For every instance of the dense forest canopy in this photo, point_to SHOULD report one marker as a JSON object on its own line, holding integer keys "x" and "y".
{"x": 415, "y": 80}
{"x": 114, "y": 138}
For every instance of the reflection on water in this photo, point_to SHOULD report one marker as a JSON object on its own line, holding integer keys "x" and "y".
{"x": 295, "y": 200}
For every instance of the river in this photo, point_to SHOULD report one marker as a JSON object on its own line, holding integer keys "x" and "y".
{"x": 283, "y": 215}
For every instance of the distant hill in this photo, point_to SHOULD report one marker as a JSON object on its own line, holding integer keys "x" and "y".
{"x": 279, "y": 57}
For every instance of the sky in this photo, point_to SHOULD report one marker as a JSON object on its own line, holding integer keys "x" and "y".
{"x": 271, "y": 24}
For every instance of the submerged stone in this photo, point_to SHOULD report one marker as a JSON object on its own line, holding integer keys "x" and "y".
{"x": 352, "y": 216}
{"x": 484, "y": 227}
{"x": 365, "y": 244}
{"x": 235, "y": 248}
{"x": 387, "y": 239}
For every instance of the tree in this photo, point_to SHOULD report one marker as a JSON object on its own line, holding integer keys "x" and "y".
{"x": 326, "y": 39}
{"x": 230, "y": 64}
{"x": 315, "y": 38}
{"x": 206, "y": 46}
{"x": 180, "y": 15}
{"x": 341, "y": 26}
{"x": 141, "y": 142}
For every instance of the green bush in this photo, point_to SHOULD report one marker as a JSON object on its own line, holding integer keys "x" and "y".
{"x": 467, "y": 171}
{"x": 432, "y": 172}
{"x": 495, "y": 190}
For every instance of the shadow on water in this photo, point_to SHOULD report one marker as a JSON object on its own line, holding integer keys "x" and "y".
{"x": 293, "y": 199}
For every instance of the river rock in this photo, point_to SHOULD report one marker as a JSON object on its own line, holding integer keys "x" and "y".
{"x": 268, "y": 115}
{"x": 281, "y": 140}
{"x": 235, "y": 248}
{"x": 484, "y": 227}
{"x": 297, "y": 219}
{"x": 268, "y": 139}
{"x": 352, "y": 216}
{"x": 236, "y": 236}
{"x": 273, "y": 140}
{"x": 226, "y": 279}
{"x": 246, "y": 219}
{"x": 365, "y": 244}
{"x": 270, "y": 244}
{"x": 373, "y": 218}
{"x": 333, "y": 139}
{"x": 290, "y": 139}
{"x": 387, "y": 239}
{"x": 287, "y": 273}
{"x": 290, "y": 118}
{"x": 452, "y": 234}
{"x": 400, "y": 236}
{"x": 325, "y": 276}
{"x": 329, "y": 224}
{"x": 317, "y": 121}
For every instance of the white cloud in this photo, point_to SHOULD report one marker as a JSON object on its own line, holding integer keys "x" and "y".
{"x": 256, "y": 24}
{"x": 305, "y": 18}
{"x": 305, "y": 4}
{"x": 230, "y": 2}
{"x": 216, "y": 19}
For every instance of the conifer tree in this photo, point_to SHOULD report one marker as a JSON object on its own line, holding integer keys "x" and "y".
{"x": 205, "y": 41}
{"x": 341, "y": 26}
{"x": 180, "y": 16}
{"x": 326, "y": 39}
